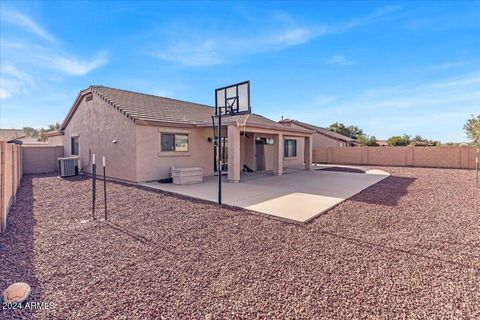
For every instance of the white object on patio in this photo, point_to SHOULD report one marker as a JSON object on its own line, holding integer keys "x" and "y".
{"x": 187, "y": 175}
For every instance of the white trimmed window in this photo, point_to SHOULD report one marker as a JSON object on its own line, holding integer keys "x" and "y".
{"x": 177, "y": 142}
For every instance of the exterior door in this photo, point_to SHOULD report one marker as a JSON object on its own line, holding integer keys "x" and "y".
{"x": 260, "y": 154}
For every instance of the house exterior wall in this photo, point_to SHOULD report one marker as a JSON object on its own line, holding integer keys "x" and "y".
{"x": 287, "y": 162}
{"x": 247, "y": 151}
{"x": 152, "y": 164}
{"x": 299, "y": 159}
{"x": 97, "y": 124}
{"x": 269, "y": 155}
{"x": 133, "y": 150}
{"x": 56, "y": 140}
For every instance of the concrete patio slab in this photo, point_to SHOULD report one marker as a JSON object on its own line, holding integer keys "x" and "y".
{"x": 296, "y": 195}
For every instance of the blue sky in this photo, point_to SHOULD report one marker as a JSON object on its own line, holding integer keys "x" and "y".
{"x": 388, "y": 67}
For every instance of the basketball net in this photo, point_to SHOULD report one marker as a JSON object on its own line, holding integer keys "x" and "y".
{"x": 242, "y": 124}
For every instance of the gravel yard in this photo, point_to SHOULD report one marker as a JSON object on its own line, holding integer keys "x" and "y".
{"x": 405, "y": 248}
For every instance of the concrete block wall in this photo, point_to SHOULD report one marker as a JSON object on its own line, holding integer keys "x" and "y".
{"x": 41, "y": 159}
{"x": 10, "y": 177}
{"x": 459, "y": 157}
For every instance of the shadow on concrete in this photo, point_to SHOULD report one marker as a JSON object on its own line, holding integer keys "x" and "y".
{"x": 17, "y": 250}
{"x": 343, "y": 169}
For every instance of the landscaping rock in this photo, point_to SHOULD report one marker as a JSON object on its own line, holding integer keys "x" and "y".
{"x": 16, "y": 292}
{"x": 406, "y": 248}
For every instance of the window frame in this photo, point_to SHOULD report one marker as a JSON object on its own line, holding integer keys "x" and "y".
{"x": 174, "y": 144}
{"x": 72, "y": 145}
{"x": 286, "y": 148}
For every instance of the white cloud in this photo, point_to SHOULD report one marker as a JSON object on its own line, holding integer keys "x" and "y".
{"x": 4, "y": 94}
{"x": 11, "y": 44}
{"x": 44, "y": 60}
{"x": 294, "y": 36}
{"x": 455, "y": 83}
{"x": 16, "y": 18}
{"x": 13, "y": 81}
{"x": 10, "y": 86}
{"x": 11, "y": 71}
{"x": 380, "y": 14}
{"x": 340, "y": 60}
{"x": 74, "y": 66}
{"x": 218, "y": 47}
{"x": 202, "y": 54}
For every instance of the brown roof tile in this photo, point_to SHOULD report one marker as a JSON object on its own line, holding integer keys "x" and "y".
{"x": 140, "y": 106}
{"x": 146, "y": 107}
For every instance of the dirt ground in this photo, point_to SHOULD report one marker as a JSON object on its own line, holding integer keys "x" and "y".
{"x": 405, "y": 248}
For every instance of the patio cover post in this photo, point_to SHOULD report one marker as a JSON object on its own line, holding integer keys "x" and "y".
{"x": 233, "y": 153}
{"x": 278, "y": 154}
{"x": 308, "y": 153}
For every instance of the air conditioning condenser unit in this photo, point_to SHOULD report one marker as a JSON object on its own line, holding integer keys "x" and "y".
{"x": 68, "y": 166}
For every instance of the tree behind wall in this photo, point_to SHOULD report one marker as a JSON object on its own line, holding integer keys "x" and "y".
{"x": 40, "y": 133}
{"x": 31, "y": 132}
{"x": 398, "y": 141}
{"x": 367, "y": 141}
{"x": 472, "y": 129}
{"x": 418, "y": 140}
{"x": 351, "y": 131}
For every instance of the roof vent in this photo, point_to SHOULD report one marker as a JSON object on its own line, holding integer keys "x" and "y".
{"x": 89, "y": 97}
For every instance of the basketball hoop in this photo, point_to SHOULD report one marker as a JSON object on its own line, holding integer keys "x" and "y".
{"x": 230, "y": 100}
{"x": 233, "y": 99}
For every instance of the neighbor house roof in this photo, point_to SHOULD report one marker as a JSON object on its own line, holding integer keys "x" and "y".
{"x": 54, "y": 133}
{"x": 141, "y": 107}
{"x": 382, "y": 142}
{"x": 320, "y": 130}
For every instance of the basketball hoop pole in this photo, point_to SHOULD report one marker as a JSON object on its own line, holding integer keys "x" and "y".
{"x": 230, "y": 100}
{"x": 219, "y": 164}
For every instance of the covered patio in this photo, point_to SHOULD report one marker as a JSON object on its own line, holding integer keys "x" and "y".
{"x": 252, "y": 143}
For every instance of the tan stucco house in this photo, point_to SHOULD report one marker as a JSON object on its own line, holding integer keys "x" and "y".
{"x": 322, "y": 137}
{"x": 142, "y": 136}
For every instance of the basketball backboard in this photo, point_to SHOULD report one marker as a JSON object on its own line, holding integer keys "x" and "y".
{"x": 233, "y": 99}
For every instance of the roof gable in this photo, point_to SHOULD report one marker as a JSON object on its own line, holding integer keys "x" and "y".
{"x": 146, "y": 108}
{"x": 141, "y": 106}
